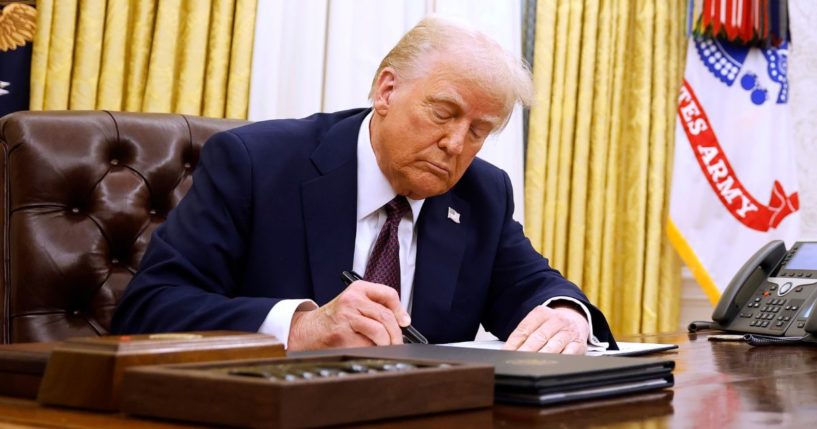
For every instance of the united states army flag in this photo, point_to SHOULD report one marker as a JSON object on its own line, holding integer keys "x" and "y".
{"x": 734, "y": 182}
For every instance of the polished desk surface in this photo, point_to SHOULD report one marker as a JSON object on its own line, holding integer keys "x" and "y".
{"x": 717, "y": 384}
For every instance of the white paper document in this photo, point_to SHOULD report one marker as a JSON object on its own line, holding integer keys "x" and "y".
{"x": 625, "y": 349}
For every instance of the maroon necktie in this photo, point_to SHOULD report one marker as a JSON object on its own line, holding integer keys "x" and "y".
{"x": 384, "y": 263}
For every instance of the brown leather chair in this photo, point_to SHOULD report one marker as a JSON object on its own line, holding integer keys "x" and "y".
{"x": 82, "y": 193}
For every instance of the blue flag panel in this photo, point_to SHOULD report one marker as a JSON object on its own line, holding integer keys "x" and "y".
{"x": 15, "y": 72}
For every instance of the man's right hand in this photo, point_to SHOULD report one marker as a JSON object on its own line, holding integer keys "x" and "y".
{"x": 365, "y": 314}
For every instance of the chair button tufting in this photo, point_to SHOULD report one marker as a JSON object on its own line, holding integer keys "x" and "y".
{"x": 187, "y": 165}
{"x": 75, "y": 210}
{"x": 114, "y": 261}
{"x": 75, "y": 313}
{"x": 114, "y": 161}
{"x": 152, "y": 211}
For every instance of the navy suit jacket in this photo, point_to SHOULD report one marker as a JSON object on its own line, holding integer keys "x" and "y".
{"x": 272, "y": 215}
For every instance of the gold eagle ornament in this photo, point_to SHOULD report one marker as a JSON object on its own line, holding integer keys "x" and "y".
{"x": 17, "y": 25}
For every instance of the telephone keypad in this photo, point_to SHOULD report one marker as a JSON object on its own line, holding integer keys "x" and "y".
{"x": 773, "y": 308}
{"x": 774, "y": 313}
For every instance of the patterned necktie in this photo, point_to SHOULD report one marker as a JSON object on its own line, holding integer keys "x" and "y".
{"x": 384, "y": 263}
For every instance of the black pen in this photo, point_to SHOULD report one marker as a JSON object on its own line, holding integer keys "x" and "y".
{"x": 410, "y": 334}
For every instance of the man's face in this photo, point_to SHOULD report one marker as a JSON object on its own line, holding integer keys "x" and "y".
{"x": 427, "y": 131}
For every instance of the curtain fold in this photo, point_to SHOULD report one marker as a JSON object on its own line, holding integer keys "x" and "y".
{"x": 182, "y": 56}
{"x": 606, "y": 74}
{"x": 110, "y": 89}
{"x": 39, "y": 57}
{"x": 87, "y": 55}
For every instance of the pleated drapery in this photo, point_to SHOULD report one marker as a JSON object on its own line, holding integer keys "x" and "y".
{"x": 183, "y": 56}
{"x": 606, "y": 74}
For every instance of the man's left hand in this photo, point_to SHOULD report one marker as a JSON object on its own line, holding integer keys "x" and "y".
{"x": 551, "y": 330}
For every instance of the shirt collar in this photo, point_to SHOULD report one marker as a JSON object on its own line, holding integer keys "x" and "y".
{"x": 373, "y": 189}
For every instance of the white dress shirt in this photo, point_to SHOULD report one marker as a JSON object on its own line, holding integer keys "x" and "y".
{"x": 373, "y": 192}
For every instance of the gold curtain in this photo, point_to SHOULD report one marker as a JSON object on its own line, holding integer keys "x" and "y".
{"x": 183, "y": 56}
{"x": 606, "y": 74}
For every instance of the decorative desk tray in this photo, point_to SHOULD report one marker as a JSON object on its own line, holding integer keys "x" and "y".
{"x": 87, "y": 372}
{"x": 310, "y": 391}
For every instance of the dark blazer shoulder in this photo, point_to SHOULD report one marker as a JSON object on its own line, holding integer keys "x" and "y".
{"x": 313, "y": 125}
{"x": 310, "y": 145}
{"x": 309, "y": 131}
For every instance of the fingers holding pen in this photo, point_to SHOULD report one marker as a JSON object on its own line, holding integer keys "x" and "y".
{"x": 363, "y": 314}
{"x": 378, "y": 310}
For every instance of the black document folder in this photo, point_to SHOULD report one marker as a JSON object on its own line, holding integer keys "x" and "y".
{"x": 544, "y": 378}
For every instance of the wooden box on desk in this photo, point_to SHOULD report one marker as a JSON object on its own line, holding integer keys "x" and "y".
{"x": 234, "y": 394}
{"x": 21, "y": 368}
{"x": 87, "y": 372}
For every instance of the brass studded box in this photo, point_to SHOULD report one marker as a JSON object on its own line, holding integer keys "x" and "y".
{"x": 87, "y": 372}
{"x": 305, "y": 392}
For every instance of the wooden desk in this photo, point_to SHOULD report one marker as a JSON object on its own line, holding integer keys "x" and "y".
{"x": 720, "y": 385}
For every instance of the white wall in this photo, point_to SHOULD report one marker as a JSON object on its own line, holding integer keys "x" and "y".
{"x": 803, "y": 84}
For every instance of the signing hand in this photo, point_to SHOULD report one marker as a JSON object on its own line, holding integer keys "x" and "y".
{"x": 551, "y": 330}
{"x": 364, "y": 314}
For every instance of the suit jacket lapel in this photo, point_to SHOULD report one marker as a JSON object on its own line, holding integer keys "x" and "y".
{"x": 440, "y": 248}
{"x": 330, "y": 208}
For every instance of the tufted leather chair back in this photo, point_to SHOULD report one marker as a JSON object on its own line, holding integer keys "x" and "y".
{"x": 82, "y": 193}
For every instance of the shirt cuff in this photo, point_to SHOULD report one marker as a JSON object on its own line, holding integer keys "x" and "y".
{"x": 593, "y": 343}
{"x": 279, "y": 318}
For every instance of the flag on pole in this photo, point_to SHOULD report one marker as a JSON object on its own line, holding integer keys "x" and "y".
{"x": 734, "y": 180}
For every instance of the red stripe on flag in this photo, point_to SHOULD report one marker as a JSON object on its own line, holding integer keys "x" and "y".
{"x": 746, "y": 25}
{"x": 706, "y": 14}
{"x": 716, "y": 18}
{"x": 730, "y": 24}
{"x": 720, "y": 174}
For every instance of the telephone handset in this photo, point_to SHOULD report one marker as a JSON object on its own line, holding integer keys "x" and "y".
{"x": 773, "y": 294}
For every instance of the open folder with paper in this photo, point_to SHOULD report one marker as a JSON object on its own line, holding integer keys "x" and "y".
{"x": 542, "y": 378}
{"x": 624, "y": 348}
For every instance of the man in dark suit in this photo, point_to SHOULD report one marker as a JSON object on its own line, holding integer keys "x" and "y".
{"x": 279, "y": 209}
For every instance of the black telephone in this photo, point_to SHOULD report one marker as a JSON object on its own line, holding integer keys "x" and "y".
{"x": 773, "y": 294}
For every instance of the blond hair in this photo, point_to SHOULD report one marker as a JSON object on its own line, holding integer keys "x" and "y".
{"x": 489, "y": 62}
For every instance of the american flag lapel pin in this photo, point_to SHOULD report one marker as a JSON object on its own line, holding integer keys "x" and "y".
{"x": 453, "y": 215}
